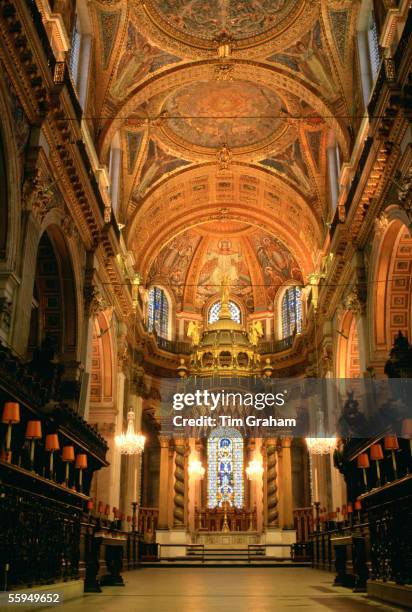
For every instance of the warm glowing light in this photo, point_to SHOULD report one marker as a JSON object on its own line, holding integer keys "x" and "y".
{"x": 130, "y": 443}
{"x": 321, "y": 446}
{"x": 254, "y": 469}
{"x": 196, "y": 469}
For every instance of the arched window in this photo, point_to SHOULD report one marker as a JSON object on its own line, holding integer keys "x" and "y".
{"x": 334, "y": 164}
{"x": 291, "y": 312}
{"x": 114, "y": 171}
{"x": 368, "y": 48}
{"x": 158, "y": 313}
{"x": 214, "y": 312}
{"x": 225, "y": 468}
{"x": 80, "y": 51}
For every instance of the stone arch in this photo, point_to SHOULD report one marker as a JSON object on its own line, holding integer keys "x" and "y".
{"x": 10, "y": 183}
{"x": 390, "y": 306}
{"x": 102, "y": 384}
{"x": 348, "y": 360}
{"x": 55, "y": 311}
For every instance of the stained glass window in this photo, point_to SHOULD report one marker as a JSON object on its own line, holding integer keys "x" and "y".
{"x": 214, "y": 312}
{"x": 225, "y": 468}
{"x": 373, "y": 42}
{"x": 291, "y": 312}
{"x": 158, "y": 313}
{"x": 75, "y": 51}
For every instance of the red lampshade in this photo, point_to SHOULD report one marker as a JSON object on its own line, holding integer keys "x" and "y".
{"x": 52, "y": 443}
{"x": 68, "y": 454}
{"x": 33, "y": 430}
{"x": 391, "y": 443}
{"x": 100, "y": 507}
{"x": 11, "y": 413}
{"x": 81, "y": 461}
{"x": 90, "y": 504}
{"x": 406, "y": 429}
{"x": 350, "y": 508}
{"x": 363, "y": 460}
{"x": 5, "y": 455}
{"x": 376, "y": 452}
{"x": 358, "y": 505}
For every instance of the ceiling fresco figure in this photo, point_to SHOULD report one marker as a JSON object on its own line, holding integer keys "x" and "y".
{"x": 277, "y": 263}
{"x": 224, "y": 261}
{"x": 292, "y": 164}
{"x": 158, "y": 163}
{"x": 238, "y": 18}
{"x": 139, "y": 59}
{"x": 308, "y": 56}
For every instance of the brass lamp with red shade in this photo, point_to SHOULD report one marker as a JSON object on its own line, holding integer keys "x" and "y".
{"x": 67, "y": 458}
{"x": 10, "y": 417}
{"x": 51, "y": 445}
{"x": 33, "y": 433}
{"x": 363, "y": 464}
{"x": 377, "y": 455}
{"x": 391, "y": 443}
{"x": 81, "y": 464}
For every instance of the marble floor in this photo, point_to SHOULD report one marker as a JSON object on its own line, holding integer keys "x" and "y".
{"x": 225, "y": 590}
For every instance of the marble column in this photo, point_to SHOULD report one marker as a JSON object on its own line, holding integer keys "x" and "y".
{"x": 179, "y": 500}
{"x": 271, "y": 489}
{"x": 163, "y": 522}
{"x": 22, "y": 315}
{"x": 287, "y": 501}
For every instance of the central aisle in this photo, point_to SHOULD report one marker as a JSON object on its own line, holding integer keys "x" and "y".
{"x": 226, "y": 590}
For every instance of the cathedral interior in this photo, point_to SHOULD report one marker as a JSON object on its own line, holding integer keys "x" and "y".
{"x": 194, "y": 191}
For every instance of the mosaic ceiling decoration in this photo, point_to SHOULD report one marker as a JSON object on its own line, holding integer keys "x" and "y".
{"x": 223, "y": 108}
{"x": 213, "y": 114}
{"x": 239, "y": 19}
{"x": 194, "y": 264}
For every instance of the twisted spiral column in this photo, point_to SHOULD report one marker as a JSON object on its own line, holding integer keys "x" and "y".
{"x": 179, "y": 486}
{"x": 272, "y": 488}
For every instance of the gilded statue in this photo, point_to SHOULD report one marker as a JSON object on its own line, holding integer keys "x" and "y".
{"x": 255, "y": 332}
{"x": 193, "y": 332}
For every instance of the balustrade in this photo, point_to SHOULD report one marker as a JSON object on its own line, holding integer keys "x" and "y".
{"x": 212, "y": 519}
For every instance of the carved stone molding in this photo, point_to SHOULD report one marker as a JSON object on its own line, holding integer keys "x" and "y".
{"x": 37, "y": 195}
{"x": 405, "y": 192}
{"x": 355, "y": 300}
{"x": 94, "y": 302}
{"x": 5, "y": 313}
{"x": 381, "y": 224}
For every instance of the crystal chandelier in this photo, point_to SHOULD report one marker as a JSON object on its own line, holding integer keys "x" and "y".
{"x": 321, "y": 446}
{"x": 196, "y": 469}
{"x": 130, "y": 443}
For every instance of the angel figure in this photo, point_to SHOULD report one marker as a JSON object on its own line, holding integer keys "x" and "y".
{"x": 255, "y": 332}
{"x": 193, "y": 332}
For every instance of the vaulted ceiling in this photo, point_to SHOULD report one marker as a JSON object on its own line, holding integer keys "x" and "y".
{"x": 223, "y": 109}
